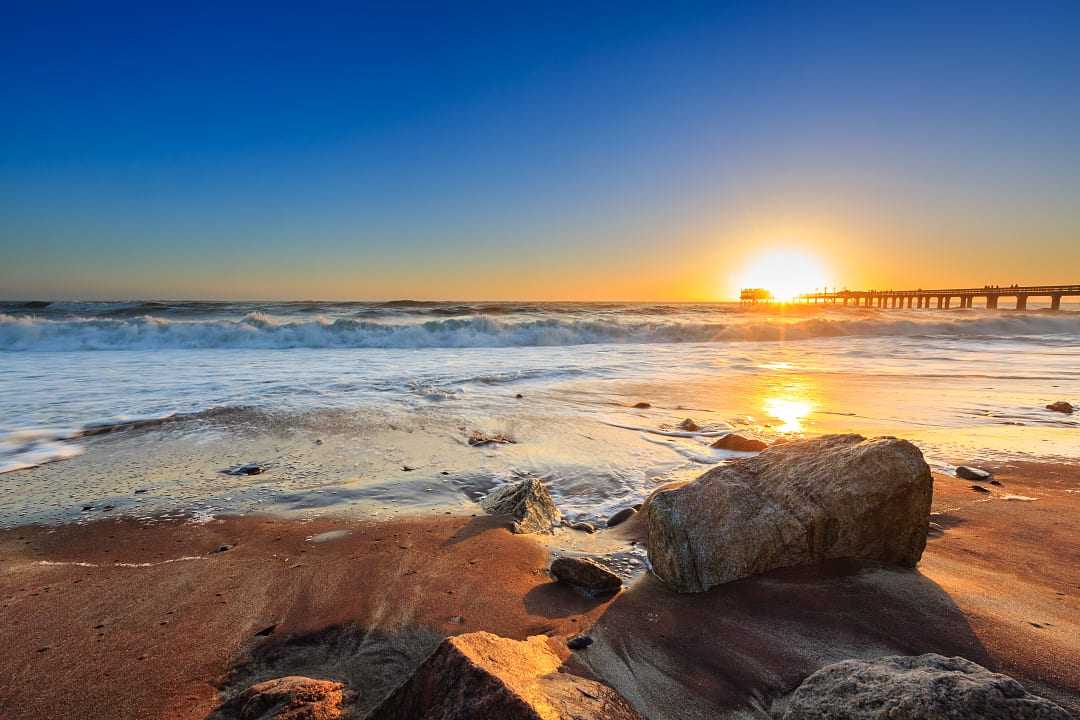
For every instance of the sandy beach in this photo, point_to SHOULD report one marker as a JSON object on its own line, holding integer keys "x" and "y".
{"x": 135, "y": 619}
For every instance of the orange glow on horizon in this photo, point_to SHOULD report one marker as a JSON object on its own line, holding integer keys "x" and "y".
{"x": 784, "y": 273}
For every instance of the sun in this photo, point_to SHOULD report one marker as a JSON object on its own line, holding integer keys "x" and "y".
{"x": 784, "y": 273}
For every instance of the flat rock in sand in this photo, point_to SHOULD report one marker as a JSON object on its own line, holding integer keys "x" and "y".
{"x": 966, "y": 472}
{"x": 528, "y": 502}
{"x": 481, "y": 676}
{"x": 586, "y": 575}
{"x": 915, "y": 688}
{"x": 740, "y": 443}
{"x": 287, "y": 698}
{"x": 800, "y": 503}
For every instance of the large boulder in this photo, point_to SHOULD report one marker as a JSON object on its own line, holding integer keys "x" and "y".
{"x": 287, "y": 698}
{"x": 799, "y": 503}
{"x": 915, "y": 688}
{"x": 528, "y": 502}
{"x": 481, "y": 676}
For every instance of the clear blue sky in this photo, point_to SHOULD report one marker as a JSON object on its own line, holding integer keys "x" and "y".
{"x": 313, "y": 150}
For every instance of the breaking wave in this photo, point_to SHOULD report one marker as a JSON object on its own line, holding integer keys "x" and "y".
{"x": 261, "y": 331}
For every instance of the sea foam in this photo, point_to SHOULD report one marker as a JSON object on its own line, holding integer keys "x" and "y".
{"x": 262, "y": 331}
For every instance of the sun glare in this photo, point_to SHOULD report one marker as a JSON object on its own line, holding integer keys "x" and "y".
{"x": 785, "y": 274}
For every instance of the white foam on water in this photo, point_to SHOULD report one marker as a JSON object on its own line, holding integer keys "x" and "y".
{"x": 259, "y": 330}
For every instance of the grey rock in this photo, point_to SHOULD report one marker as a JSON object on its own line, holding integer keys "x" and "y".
{"x": 922, "y": 687}
{"x": 528, "y": 502}
{"x": 799, "y": 503}
{"x": 586, "y": 575}
{"x": 967, "y": 472}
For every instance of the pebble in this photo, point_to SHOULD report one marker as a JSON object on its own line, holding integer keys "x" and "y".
{"x": 621, "y": 517}
{"x": 579, "y": 642}
{"x": 979, "y": 489}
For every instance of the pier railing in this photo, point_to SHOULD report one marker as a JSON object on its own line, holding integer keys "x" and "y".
{"x": 942, "y": 298}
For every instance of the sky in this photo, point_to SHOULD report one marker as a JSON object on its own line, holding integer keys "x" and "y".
{"x": 570, "y": 151}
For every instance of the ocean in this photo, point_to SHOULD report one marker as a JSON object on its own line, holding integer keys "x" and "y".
{"x": 368, "y": 407}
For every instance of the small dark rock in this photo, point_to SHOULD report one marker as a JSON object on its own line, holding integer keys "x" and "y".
{"x": 87, "y": 508}
{"x": 586, "y": 575}
{"x": 583, "y": 527}
{"x": 1062, "y": 407}
{"x": 519, "y": 396}
{"x": 223, "y": 548}
{"x": 689, "y": 425}
{"x": 966, "y": 472}
{"x": 740, "y": 443}
{"x": 579, "y": 642}
{"x": 267, "y": 631}
{"x": 245, "y": 469}
{"x": 995, "y": 482}
{"x": 642, "y": 406}
{"x": 140, "y": 491}
{"x": 109, "y": 507}
{"x": 621, "y": 517}
{"x": 979, "y": 489}
{"x": 407, "y": 468}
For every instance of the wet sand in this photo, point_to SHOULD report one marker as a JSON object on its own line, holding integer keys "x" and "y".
{"x": 140, "y": 620}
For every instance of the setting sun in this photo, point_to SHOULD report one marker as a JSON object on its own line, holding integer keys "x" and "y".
{"x": 784, "y": 273}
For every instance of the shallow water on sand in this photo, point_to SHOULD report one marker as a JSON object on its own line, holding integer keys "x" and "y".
{"x": 334, "y": 402}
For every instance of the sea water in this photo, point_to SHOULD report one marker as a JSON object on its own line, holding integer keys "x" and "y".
{"x": 368, "y": 407}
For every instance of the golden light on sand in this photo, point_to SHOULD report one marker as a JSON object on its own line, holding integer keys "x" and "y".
{"x": 790, "y": 412}
{"x": 785, "y": 273}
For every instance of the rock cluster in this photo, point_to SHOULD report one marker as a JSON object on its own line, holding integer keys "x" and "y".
{"x": 915, "y": 688}
{"x": 528, "y": 502}
{"x": 481, "y": 676}
{"x": 799, "y": 503}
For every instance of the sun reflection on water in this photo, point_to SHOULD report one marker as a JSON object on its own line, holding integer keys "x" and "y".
{"x": 789, "y": 399}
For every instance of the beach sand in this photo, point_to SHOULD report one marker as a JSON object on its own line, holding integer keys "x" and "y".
{"x": 153, "y": 620}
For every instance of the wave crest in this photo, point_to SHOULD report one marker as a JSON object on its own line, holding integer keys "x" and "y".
{"x": 262, "y": 331}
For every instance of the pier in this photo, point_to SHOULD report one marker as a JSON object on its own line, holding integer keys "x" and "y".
{"x": 940, "y": 299}
{"x": 921, "y": 299}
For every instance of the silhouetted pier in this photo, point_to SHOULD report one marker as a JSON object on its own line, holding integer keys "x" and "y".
{"x": 924, "y": 299}
{"x": 964, "y": 297}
